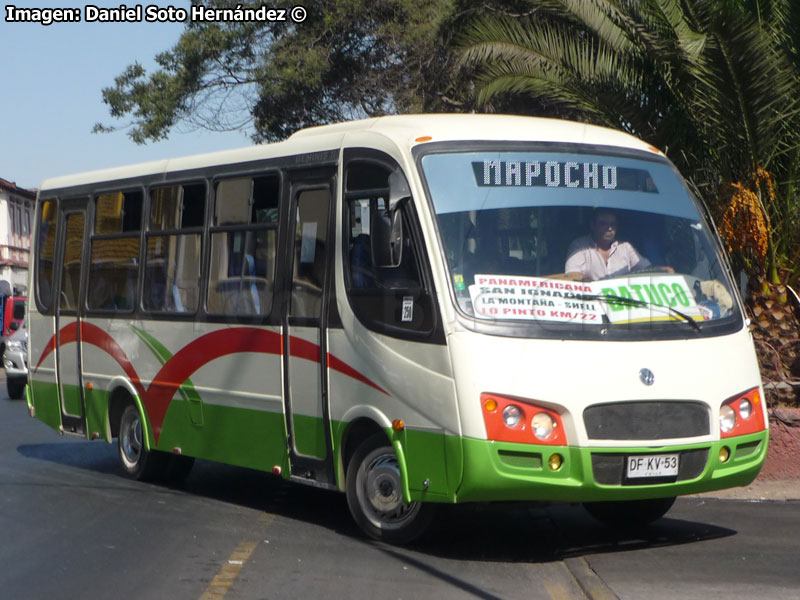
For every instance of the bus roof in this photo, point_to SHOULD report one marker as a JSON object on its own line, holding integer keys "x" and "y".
{"x": 404, "y": 130}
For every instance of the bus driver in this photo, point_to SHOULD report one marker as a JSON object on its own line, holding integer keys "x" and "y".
{"x": 600, "y": 255}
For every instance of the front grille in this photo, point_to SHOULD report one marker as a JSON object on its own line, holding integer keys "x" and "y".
{"x": 646, "y": 420}
{"x": 608, "y": 468}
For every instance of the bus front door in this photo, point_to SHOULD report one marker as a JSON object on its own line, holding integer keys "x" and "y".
{"x": 68, "y": 334}
{"x": 309, "y": 262}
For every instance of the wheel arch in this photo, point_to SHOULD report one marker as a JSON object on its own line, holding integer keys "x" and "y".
{"x": 121, "y": 393}
{"x": 360, "y": 424}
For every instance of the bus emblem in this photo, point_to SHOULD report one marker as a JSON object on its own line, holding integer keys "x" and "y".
{"x": 647, "y": 377}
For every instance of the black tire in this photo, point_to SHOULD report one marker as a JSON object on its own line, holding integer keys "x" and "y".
{"x": 137, "y": 462}
{"x": 629, "y": 514}
{"x": 15, "y": 388}
{"x": 375, "y": 497}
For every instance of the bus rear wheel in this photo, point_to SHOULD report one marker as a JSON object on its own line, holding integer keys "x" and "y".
{"x": 375, "y": 495}
{"x": 629, "y": 514}
{"x": 137, "y": 461}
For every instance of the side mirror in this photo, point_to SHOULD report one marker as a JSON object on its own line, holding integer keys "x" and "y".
{"x": 386, "y": 229}
{"x": 387, "y": 238}
{"x": 398, "y": 189}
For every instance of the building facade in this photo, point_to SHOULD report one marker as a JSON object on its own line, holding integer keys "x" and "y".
{"x": 16, "y": 214}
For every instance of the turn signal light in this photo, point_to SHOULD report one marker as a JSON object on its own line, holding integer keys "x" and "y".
{"x": 724, "y": 454}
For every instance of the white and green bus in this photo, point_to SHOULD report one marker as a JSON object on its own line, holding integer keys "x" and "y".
{"x": 413, "y": 310}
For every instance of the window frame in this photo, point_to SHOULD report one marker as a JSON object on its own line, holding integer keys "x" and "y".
{"x": 251, "y": 227}
{"x": 69, "y": 207}
{"x": 434, "y": 333}
{"x": 42, "y": 306}
{"x": 148, "y": 233}
{"x": 93, "y": 236}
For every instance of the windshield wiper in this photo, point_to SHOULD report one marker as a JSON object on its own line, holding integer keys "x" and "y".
{"x": 640, "y": 304}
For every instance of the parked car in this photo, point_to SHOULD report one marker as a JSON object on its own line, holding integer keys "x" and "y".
{"x": 15, "y": 361}
{"x": 12, "y": 313}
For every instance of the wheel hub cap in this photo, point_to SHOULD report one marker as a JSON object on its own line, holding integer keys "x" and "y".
{"x": 383, "y": 485}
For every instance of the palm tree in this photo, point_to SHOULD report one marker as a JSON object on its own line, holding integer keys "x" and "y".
{"x": 715, "y": 83}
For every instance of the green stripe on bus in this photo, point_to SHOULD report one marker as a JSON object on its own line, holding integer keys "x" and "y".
{"x": 187, "y": 389}
{"x": 73, "y": 404}
{"x": 309, "y": 435}
{"x": 502, "y": 471}
{"x": 45, "y": 403}
{"x": 239, "y": 436}
{"x": 434, "y": 465}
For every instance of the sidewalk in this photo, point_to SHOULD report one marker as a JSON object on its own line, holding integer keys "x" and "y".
{"x": 760, "y": 490}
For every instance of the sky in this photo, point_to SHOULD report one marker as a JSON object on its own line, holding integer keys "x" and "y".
{"x": 51, "y": 81}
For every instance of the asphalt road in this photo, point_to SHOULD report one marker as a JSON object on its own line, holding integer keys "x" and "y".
{"x": 72, "y": 527}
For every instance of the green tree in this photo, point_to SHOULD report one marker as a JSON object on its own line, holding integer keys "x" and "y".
{"x": 715, "y": 83}
{"x": 347, "y": 59}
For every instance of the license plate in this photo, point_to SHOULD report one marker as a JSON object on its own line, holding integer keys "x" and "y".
{"x": 652, "y": 465}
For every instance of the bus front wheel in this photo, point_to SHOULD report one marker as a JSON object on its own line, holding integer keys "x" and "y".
{"x": 375, "y": 495}
{"x": 629, "y": 514}
{"x": 137, "y": 461}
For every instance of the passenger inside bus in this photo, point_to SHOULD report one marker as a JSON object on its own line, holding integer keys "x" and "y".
{"x": 362, "y": 271}
{"x": 491, "y": 240}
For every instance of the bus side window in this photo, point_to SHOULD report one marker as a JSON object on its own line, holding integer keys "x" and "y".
{"x": 114, "y": 269}
{"x": 174, "y": 244}
{"x": 45, "y": 250}
{"x": 71, "y": 271}
{"x": 392, "y": 300}
{"x": 243, "y": 244}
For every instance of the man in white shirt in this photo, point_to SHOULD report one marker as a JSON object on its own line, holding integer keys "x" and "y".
{"x": 600, "y": 254}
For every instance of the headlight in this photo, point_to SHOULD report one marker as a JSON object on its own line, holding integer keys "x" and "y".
{"x": 14, "y": 346}
{"x": 543, "y": 425}
{"x": 508, "y": 419}
{"x": 745, "y": 408}
{"x": 512, "y": 415}
{"x": 742, "y": 414}
{"x": 727, "y": 418}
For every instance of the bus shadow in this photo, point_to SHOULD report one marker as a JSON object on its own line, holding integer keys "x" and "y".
{"x": 506, "y": 532}
{"x": 88, "y": 456}
{"x": 247, "y": 488}
{"x": 526, "y": 533}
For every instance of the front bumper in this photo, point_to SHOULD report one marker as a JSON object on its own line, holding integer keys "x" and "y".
{"x": 16, "y": 364}
{"x": 505, "y": 471}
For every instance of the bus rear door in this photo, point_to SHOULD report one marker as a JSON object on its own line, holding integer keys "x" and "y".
{"x": 72, "y": 216}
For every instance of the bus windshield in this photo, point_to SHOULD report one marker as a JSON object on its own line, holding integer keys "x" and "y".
{"x": 565, "y": 240}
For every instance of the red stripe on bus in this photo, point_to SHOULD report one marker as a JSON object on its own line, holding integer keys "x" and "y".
{"x": 196, "y": 354}
{"x": 97, "y": 337}
{"x": 300, "y": 348}
{"x": 338, "y": 365}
